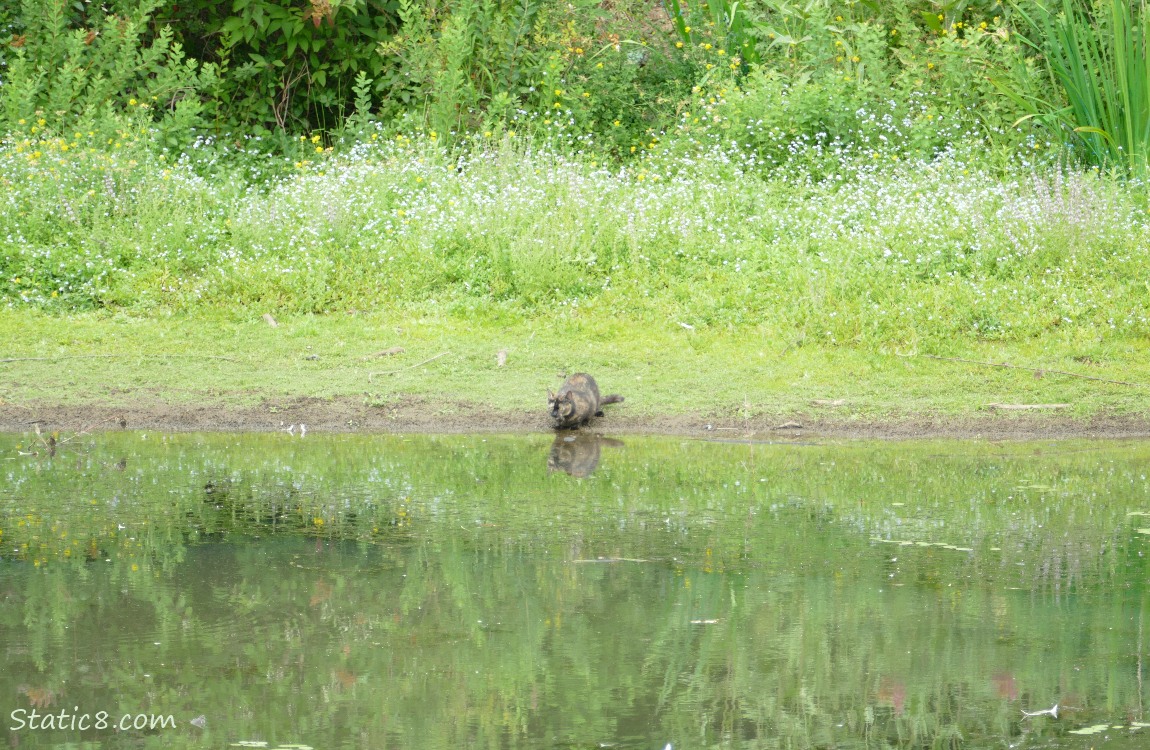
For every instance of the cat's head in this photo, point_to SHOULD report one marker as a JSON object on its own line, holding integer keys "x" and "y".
{"x": 560, "y": 408}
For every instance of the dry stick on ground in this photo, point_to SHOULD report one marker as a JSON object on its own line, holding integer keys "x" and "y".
{"x": 113, "y": 356}
{"x": 1035, "y": 369}
{"x": 370, "y": 375}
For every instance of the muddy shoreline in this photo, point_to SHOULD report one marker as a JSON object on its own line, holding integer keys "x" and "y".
{"x": 422, "y": 416}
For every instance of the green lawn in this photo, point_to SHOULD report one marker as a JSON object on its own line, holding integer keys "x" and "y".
{"x": 662, "y": 368}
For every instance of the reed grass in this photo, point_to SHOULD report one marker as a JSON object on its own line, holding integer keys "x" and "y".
{"x": 1097, "y": 54}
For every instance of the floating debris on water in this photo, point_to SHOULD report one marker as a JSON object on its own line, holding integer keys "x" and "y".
{"x": 908, "y": 543}
{"x": 1052, "y": 711}
{"x": 1092, "y": 730}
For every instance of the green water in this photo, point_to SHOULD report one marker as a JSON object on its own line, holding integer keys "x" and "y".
{"x": 458, "y": 592}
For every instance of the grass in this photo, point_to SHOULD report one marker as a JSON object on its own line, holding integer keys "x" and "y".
{"x": 884, "y": 254}
{"x": 695, "y": 279}
{"x": 664, "y": 370}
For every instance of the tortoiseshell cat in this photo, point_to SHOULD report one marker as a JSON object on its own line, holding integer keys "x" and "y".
{"x": 577, "y": 401}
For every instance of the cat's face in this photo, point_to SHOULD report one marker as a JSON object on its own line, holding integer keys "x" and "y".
{"x": 560, "y": 408}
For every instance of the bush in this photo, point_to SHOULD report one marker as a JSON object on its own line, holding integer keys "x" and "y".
{"x": 560, "y": 70}
{"x": 288, "y": 65}
{"x": 77, "y": 67}
{"x": 894, "y": 84}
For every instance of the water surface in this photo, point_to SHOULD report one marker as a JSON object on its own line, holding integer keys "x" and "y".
{"x": 504, "y": 592}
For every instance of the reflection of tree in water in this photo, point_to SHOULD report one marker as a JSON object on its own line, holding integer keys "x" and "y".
{"x": 423, "y": 585}
{"x": 577, "y": 453}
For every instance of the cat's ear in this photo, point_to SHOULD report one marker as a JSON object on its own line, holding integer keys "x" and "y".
{"x": 550, "y": 395}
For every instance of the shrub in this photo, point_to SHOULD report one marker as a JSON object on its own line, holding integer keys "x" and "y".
{"x": 288, "y": 65}
{"x": 885, "y": 82}
{"x": 75, "y": 66}
{"x": 560, "y": 70}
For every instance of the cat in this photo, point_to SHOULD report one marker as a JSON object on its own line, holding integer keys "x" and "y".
{"x": 577, "y": 401}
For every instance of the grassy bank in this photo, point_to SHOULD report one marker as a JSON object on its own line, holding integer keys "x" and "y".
{"x": 696, "y": 280}
{"x": 222, "y": 367}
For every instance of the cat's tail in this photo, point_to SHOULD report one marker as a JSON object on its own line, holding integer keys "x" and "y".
{"x": 614, "y": 398}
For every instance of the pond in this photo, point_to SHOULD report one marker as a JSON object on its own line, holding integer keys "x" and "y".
{"x": 349, "y": 591}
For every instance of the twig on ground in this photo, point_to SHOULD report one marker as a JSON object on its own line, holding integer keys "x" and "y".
{"x": 1039, "y": 370}
{"x": 370, "y": 375}
{"x": 386, "y": 353}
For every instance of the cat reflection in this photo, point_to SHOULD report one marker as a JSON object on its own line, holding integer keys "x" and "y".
{"x": 577, "y": 453}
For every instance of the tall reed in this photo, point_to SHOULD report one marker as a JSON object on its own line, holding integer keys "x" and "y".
{"x": 1097, "y": 54}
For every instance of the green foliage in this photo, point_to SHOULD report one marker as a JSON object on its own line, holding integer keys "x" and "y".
{"x": 465, "y": 60}
{"x": 873, "y": 248}
{"x": 616, "y": 77}
{"x": 288, "y": 65}
{"x": 888, "y": 79}
{"x": 1098, "y": 54}
{"x": 78, "y": 67}
{"x": 560, "y": 71}
{"x": 729, "y": 23}
{"x": 626, "y": 94}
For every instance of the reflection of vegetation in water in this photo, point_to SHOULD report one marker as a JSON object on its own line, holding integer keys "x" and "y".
{"x": 421, "y": 591}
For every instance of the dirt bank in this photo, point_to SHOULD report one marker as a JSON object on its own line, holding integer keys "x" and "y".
{"x": 420, "y": 415}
